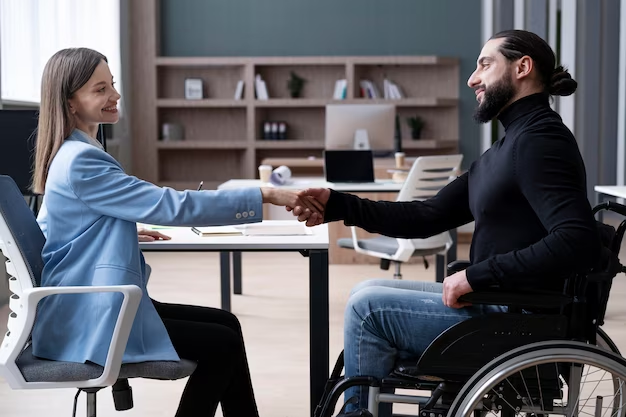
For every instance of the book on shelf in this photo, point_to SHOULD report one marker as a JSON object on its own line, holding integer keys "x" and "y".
{"x": 239, "y": 90}
{"x": 391, "y": 90}
{"x": 369, "y": 89}
{"x": 261, "y": 88}
{"x": 341, "y": 89}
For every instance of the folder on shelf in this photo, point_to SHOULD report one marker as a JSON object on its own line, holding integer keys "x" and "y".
{"x": 217, "y": 231}
{"x": 239, "y": 90}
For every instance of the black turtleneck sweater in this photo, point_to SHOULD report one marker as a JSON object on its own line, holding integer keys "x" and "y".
{"x": 527, "y": 196}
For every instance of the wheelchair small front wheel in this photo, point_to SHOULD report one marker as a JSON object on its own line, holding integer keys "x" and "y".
{"x": 554, "y": 378}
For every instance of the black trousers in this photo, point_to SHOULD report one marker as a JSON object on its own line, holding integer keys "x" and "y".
{"x": 213, "y": 339}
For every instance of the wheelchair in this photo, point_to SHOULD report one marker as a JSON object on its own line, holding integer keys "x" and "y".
{"x": 546, "y": 356}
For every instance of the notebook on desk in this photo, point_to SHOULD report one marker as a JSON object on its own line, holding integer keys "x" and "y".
{"x": 217, "y": 231}
{"x": 349, "y": 166}
{"x": 254, "y": 229}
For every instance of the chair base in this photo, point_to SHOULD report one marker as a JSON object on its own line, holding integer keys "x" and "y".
{"x": 91, "y": 401}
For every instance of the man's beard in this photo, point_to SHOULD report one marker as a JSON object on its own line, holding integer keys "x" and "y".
{"x": 494, "y": 100}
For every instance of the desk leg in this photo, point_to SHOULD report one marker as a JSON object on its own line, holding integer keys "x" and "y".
{"x": 225, "y": 279}
{"x": 237, "y": 273}
{"x": 443, "y": 260}
{"x": 318, "y": 324}
{"x": 440, "y": 273}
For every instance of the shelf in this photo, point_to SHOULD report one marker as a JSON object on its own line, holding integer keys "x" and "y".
{"x": 289, "y": 144}
{"x": 314, "y": 102}
{"x": 163, "y": 61}
{"x": 305, "y": 60}
{"x": 202, "y": 144}
{"x": 409, "y": 102}
{"x": 319, "y": 144}
{"x": 296, "y": 102}
{"x": 183, "y": 103}
{"x": 429, "y": 144}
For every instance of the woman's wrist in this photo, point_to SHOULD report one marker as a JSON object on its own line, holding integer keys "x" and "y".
{"x": 267, "y": 194}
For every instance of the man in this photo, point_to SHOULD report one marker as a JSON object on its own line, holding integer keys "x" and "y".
{"x": 527, "y": 196}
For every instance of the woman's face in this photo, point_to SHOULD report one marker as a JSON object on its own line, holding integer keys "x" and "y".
{"x": 96, "y": 101}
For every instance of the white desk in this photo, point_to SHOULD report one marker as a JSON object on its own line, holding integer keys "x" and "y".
{"x": 380, "y": 186}
{"x": 618, "y": 191}
{"x": 314, "y": 246}
{"x": 319, "y": 182}
{"x": 604, "y": 191}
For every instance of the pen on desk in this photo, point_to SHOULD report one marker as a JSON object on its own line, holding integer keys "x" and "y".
{"x": 200, "y": 186}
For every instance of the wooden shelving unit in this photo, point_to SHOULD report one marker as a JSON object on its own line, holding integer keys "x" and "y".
{"x": 223, "y": 136}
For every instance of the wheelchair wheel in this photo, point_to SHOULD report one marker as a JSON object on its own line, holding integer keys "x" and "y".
{"x": 604, "y": 341}
{"x": 555, "y": 378}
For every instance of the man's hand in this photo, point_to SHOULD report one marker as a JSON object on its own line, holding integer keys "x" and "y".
{"x": 455, "y": 286}
{"x": 145, "y": 235}
{"x": 321, "y": 196}
{"x": 309, "y": 206}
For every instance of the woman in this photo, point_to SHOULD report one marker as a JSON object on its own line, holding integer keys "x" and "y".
{"x": 89, "y": 214}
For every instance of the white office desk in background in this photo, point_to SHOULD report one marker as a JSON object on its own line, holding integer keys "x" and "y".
{"x": 300, "y": 183}
{"x": 314, "y": 246}
{"x": 603, "y": 192}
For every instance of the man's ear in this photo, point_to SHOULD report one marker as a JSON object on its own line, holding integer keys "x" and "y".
{"x": 523, "y": 67}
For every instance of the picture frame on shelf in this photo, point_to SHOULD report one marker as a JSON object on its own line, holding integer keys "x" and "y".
{"x": 194, "y": 89}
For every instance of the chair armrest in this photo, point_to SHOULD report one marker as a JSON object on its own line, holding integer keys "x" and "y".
{"x": 535, "y": 299}
{"x": 458, "y": 266}
{"x": 132, "y": 297}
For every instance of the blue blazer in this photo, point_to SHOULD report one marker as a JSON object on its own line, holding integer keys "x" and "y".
{"x": 89, "y": 214}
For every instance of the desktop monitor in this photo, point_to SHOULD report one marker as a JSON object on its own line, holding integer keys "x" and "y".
{"x": 360, "y": 127}
{"x": 18, "y": 136}
{"x": 17, "y": 146}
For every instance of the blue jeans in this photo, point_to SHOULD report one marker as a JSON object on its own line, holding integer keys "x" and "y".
{"x": 387, "y": 320}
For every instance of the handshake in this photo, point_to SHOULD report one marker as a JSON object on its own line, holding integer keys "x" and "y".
{"x": 307, "y": 205}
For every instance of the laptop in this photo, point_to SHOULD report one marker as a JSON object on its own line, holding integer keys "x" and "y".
{"x": 349, "y": 166}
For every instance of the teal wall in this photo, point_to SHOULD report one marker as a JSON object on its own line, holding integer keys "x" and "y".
{"x": 331, "y": 27}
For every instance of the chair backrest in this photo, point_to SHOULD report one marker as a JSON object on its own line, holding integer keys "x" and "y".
{"x": 428, "y": 175}
{"x": 21, "y": 242}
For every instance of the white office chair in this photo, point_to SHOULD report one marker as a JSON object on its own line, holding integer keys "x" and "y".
{"x": 427, "y": 176}
{"x": 21, "y": 242}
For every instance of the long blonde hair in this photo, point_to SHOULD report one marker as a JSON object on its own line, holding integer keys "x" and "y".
{"x": 65, "y": 73}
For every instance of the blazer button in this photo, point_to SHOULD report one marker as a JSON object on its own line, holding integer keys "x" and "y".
{"x": 244, "y": 214}
{"x": 238, "y": 216}
{"x": 251, "y": 213}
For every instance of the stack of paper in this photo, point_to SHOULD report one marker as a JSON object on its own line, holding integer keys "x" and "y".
{"x": 217, "y": 231}
{"x": 276, "y": 230}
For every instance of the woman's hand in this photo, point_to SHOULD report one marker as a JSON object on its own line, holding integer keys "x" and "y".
{"x": 145, "y": 235}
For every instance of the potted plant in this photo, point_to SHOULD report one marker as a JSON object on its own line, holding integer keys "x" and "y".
{"x": 295, "y": 84}
{"x": 416, "y": 124}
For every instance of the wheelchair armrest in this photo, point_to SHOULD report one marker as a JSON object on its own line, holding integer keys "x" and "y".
{"x": 458, "y": 266}
{"x": 534, "y": 299}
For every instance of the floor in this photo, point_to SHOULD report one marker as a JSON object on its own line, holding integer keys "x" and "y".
{"x": 274, "y": 316}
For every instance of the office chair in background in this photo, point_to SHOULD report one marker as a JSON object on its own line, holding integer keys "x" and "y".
{"x": 427, "y": 176}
